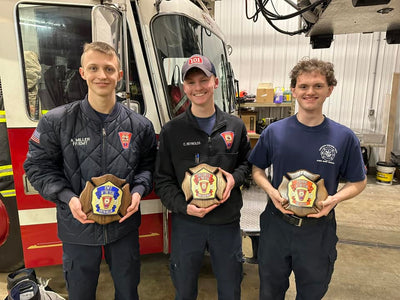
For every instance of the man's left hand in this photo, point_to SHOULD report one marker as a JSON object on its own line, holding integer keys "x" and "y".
{"x": 133, "y": 207}
{"x": 327, "y": 205}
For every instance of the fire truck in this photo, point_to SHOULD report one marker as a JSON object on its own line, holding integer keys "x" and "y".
{"x": 39, "y": 62}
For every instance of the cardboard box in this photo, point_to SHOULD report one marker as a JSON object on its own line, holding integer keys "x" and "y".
{"x": 265, "y": 93}
{"x": 250, "y": 120}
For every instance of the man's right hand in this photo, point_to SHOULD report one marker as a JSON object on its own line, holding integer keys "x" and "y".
{"x": 76, "y": 209}
{"x": 279, "y": 202}
{"x": 262, "y": 181}
{"x": 193, "y": 210}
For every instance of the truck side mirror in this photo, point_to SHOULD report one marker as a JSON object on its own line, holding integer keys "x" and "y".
{"x": 107, "y": 27}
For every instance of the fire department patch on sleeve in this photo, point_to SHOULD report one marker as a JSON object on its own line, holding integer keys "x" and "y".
{"x": 228, "y": 137}
{"x": 125, "y": 138}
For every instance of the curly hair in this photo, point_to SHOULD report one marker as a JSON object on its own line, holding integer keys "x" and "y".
{"x": 100, "y": 47}
{"x": 309, "y": 65}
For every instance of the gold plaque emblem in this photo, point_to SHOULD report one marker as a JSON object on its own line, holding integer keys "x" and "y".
{"x": 203, "y": 185}
{"x": 303, "y": 191}
{"x": 105, "y": 199}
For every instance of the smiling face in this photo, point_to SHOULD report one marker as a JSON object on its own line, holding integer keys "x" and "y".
{"x": 311, "y": 90}
{"x": 101, "y": 72}
{"x": 199, "y": 88}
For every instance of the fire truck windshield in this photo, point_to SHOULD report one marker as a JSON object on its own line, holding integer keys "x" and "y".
{"x": 178, "y": 37}
{"x": 51, "y": 46}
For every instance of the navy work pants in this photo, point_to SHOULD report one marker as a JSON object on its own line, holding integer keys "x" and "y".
{"x": 309, "y": 251}
{"x": 81, "y": 266}
{"x": 189, "y": 242}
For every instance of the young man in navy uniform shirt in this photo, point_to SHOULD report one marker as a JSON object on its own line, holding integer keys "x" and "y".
{"x": 310, "y": 141}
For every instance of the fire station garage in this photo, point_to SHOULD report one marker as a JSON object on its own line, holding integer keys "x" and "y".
{"x": 312, "y": 86}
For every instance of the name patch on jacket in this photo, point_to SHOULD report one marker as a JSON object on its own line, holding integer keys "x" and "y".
{"x": 195, "y": 143}
{"x": 228, "y": 137}
{"x": 125, "y": 139}
{"x": 80, "y": 141}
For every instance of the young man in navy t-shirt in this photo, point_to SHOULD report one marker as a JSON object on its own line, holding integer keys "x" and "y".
{"x": 306, "y": 141}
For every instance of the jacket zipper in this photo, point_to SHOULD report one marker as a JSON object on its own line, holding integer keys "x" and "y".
{"x": 104, "y": 133}
{"x": 103, "y": 166}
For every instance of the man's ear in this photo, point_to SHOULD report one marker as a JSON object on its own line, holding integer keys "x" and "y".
{"x": 293, "y": 90}
{"x": 216, "y": 82}
{"x": 82, "y": 72}
{"x": 120, "y": 74}
{"x": 184, "y": 86}
{"x": 330, "y": 90}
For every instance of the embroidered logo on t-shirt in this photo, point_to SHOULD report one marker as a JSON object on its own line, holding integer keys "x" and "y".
{"x": 228, "y": 137}
{"x": 328, "y": 153}
{"x": 125, "y": 138}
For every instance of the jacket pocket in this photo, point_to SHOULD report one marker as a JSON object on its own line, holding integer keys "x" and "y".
{"x": 227, "y": 161}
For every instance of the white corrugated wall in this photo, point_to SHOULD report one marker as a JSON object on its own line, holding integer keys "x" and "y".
{"x": 364, "y": 64}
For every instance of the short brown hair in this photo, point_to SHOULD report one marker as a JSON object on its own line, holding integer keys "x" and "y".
{"x": 307, "y": 65}
{"x": 100, "y": 47}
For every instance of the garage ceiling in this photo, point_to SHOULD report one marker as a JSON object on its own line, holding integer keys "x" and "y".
{"x": 340, "y": 16}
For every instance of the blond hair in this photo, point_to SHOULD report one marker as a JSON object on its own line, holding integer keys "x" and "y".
{"x": 100, "y": 47}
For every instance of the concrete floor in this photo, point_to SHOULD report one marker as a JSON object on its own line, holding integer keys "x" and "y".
{"x": 368, "y": 265}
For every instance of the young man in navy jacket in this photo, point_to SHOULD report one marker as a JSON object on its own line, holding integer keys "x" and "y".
{"x": 203, "y": 134}
{"x": 91, "y": 138}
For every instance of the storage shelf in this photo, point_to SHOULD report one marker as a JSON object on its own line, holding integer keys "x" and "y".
{"x": 262, "y": 104}
{"x": 272, "y": 111}
{"x": 371, "y": 145}
{"x": 253, "y": 135}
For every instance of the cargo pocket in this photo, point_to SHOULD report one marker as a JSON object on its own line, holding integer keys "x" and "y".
{"x": 263, "y": 240}
{"x": 67, "y": 267}
{"x": 332, "y": 256}
{"x": 331, "y": 242}
{"x": 240, "y": 259}
{"x": 174, "y": 271}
